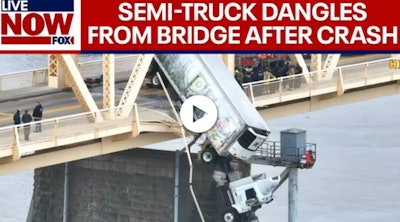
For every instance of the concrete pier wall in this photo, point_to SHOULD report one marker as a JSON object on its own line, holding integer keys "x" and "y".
{"x": 135, "y": 185}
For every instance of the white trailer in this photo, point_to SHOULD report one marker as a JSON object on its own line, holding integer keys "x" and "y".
{"x": 239, "y": 130}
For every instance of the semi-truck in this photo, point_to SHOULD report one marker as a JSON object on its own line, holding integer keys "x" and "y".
{"x": 239, "y": 130}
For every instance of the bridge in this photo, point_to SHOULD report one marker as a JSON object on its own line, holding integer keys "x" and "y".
{"x": 93, "y": 132}
{"x": 121, "y": 126}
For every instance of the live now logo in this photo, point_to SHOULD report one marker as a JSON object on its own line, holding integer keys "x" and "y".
{"x": 38, "y": 23}
{"x": 47, "y": 28}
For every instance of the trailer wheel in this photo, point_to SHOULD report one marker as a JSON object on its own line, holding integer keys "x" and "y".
{"x": 155, "y": 82}
{"x": 209, "y": 155}
{"x": 231, "y": 215}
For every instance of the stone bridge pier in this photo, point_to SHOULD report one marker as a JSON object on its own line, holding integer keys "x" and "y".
{"x": 137, "y": 185}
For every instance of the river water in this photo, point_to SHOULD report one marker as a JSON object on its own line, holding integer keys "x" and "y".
{"x": 356, "y": 177}
{"x": 19, "y": 62}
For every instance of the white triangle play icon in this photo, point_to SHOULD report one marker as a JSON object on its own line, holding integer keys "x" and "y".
{"x": 198, "y": 114}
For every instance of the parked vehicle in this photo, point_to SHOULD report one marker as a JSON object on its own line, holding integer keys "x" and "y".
{"x": 151, "y": 78}
{"x": 90, "y": 82}
{"x": 239, "y": 130}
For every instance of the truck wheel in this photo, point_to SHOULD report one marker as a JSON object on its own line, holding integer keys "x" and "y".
{"x": 231, "y": 215}
{"x": 209, "y": 155}
{"x": 155, "y": 82}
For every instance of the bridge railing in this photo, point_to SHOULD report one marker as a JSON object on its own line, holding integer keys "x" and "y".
{"x": 75, "y": 128}
{"x": 95, "y": 68}
{"x": 35, "y": 77}
{"x": 272, "y": 153}
{"x": 304, "y": 85}
{"x": 27, "y": 78}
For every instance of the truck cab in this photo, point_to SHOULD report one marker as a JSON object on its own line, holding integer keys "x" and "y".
{"x": 243, "y": 148}
{"x": 248, "y": 194}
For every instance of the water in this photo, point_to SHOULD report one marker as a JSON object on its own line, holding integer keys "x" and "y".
{"x": 19, "y": 62}
{"x": 15, "y": 63}
{"x": 16, "y": 192}
{"x": 355, "y": 178}
{"x": 357, "y": 172}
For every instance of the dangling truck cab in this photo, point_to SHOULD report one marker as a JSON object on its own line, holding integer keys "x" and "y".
{"x": 239, "y": 130}
{"x": 248, "y": 194}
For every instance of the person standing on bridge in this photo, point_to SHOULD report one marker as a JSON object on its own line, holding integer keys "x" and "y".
{"x": 37, "y": 116}
{"x": 17, "y": 118}
{"x": 271, "y": 85}
{"x": 298, "y": 70}
{"x": 27, "y": 118}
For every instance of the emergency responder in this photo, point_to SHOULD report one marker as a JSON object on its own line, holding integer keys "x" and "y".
{"x": 258, "y": 75}
{"x": 271, "y": 84}
{"x": 290, "y": 73}
{"x": 297, "y": 71}
{"x": 37, "y": 116}
{"x": 307, "y": 160}
{"x": 248, "y": 76}
{"x": 239, "y": 76}
{"x": 26, "y": 118}
{"x": 17, "y": 118}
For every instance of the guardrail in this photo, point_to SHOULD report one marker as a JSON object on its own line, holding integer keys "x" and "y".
{"x": 340, "y": 79}
{"x": 272, "y": 152}
{"x": 35, "y": 77}
{"x": 81, "y": 127}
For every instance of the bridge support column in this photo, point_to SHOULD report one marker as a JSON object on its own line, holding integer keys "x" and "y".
{"x": 330, "y": 66}
{"x": 134, "y": 84}
{"x": 81, "y": 91}
{"x": 293, "y": 194}
{"x": 109, "y": 84}
{"x": 56, "y": 77}
{"x": 229, "y": 60}
{"x": 134, "y": 185}
{"x": 316, "y": 64}
{"x": 56, "y": 74}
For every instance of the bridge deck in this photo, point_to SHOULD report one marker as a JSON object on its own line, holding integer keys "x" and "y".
{"x": 78, "y": 128}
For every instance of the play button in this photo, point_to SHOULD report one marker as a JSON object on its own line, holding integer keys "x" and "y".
{"x": 198, "y": 114}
